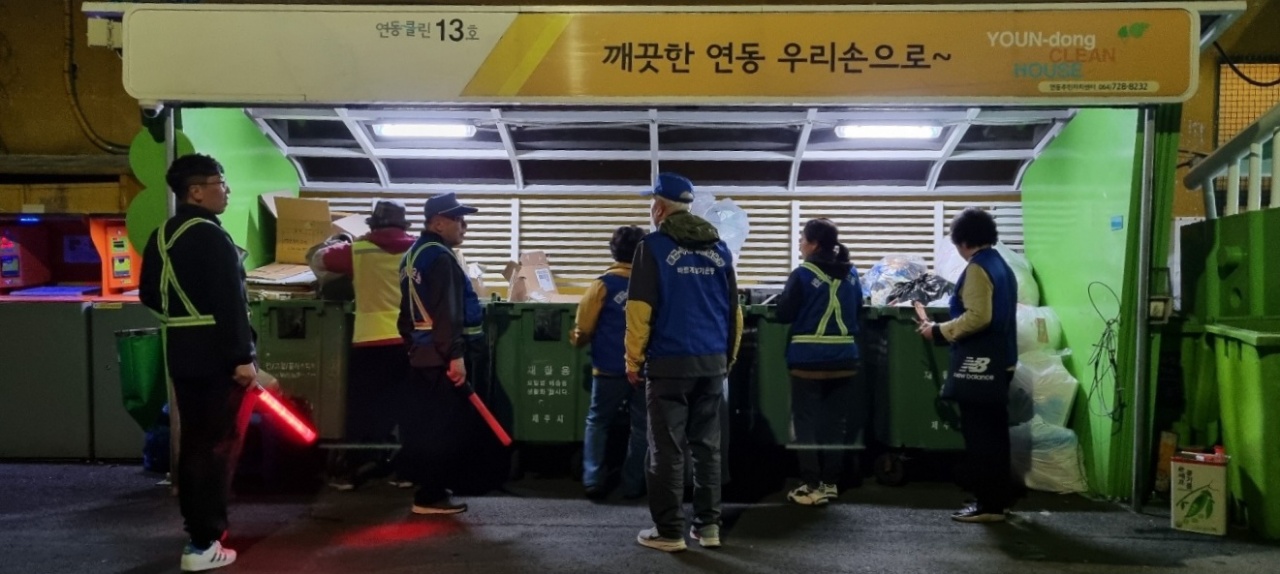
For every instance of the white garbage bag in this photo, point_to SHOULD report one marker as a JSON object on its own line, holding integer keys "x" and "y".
{"x": 1052, "y": 388}
{"x": 949, "y": 265}
{"x": 1047, "y": 457}
{"x": 1039, "y": 329}
{"x": 1028, "y": 289}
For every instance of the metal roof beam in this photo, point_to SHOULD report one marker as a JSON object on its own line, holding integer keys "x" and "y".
{"x": 953, "y": 140}
{"x": 505, "y": 133}
{"x": 629, "y": 191}
{"x": 366, "y": 145}
{"x": 801, "y": 143}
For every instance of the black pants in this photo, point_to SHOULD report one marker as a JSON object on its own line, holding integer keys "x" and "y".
{"x": 818, "y": 411}
{"x": 432, "y": 420}
{"x": 373, "y": 379}
{"x": 214, "y": 415}
{"x": 985, "y": 427}
{"x": 684, "y": 418}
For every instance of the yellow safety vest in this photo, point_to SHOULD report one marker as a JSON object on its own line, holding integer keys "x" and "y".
{"x": 377, "y": 287}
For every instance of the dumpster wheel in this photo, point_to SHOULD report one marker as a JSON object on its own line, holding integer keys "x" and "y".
{"x": 890, "y": 469}
{"x": 575, "y": 464}
{"x": 515, "y": 471}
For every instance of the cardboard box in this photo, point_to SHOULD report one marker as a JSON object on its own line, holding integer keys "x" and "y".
{"x": 531, "y": 279}
{"x": 1199, "y": 494}
{"x": 281, "y": 274}
{"x": 475, "y": 273}
{"x": 303, "y": 223}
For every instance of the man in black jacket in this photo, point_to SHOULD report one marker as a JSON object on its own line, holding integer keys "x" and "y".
{"x": 193, "y": 277}
{"x": 432, "y": 322}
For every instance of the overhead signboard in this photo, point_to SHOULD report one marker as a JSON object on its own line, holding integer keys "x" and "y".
{"x": 1029, "y": 54}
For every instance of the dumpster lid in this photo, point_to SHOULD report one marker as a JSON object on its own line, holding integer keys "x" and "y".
{"x": 1256, "y": 332}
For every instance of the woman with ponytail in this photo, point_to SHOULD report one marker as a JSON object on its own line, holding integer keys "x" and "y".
{"x": 822, "y": 302}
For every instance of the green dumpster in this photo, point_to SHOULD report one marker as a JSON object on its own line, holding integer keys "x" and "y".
{"x": 545, "y": 380}
{"x": 772, "y": 392}
{"x": 1247, "y": 353}
{"x": 304, "y": 343}
{"x": 906, "y": 374}
{"x": 1200, "y": 420}
{"x": 773, "y": 379}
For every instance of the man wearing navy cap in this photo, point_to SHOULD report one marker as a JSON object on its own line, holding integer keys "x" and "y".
{"x": 432, "y": 322}
{"x": 683, "y": 330}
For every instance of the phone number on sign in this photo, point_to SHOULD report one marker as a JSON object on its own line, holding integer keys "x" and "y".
{"x": 1086, "y": 87}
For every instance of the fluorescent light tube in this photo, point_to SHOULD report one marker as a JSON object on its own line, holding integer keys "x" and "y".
{"x": 419, "y": 130}
{"x": 888, "y": 132}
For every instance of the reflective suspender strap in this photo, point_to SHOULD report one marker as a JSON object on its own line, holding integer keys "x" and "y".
{"x": 833, "y": 310}
{"x": 168, "y": 278}
{"x": 426, "y": 324}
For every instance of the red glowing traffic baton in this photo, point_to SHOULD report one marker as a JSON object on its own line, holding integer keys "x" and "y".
{"x": 290, "y": 420}
{"x": 493, "y": 423}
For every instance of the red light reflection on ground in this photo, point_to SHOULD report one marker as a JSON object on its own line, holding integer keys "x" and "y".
{"x": 398, "y": 533}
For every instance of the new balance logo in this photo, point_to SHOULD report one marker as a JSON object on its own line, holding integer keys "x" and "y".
{"x": 975, "y": 365}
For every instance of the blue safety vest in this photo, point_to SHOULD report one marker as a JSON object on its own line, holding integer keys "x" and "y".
{"x": 826, "y": 325}
{"x": 694, "y": 310}
{"x": 607, "y": 351}
{"x": 980, "y": 363}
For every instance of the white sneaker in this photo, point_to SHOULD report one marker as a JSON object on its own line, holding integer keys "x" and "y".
{"x": 708, "y": 537}
{"x": 829, "y": 491}
{"x": 213, "y": 557}
{"x": 805, "y": 496}
{"x": 650, "y": 537}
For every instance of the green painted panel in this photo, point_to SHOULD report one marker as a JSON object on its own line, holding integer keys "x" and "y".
{"x": 253, "y": 166}
{"x": 151, "y": 207}
{"x": 1077, "y": 200}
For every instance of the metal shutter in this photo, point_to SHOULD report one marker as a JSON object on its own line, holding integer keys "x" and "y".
{"x": 575, "y": 231}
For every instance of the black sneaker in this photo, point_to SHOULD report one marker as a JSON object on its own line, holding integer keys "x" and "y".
{"x": 975, "y": 513}
{"x": 595, "y": 492}
{"x": 443, "y": 506}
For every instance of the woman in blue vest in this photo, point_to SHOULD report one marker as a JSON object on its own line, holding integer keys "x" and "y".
{"x": 602, "y": 322}
{"x": 822, "y": 300}
{"x": 982, "y": 334}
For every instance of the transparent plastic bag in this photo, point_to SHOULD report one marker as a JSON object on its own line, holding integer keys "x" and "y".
{"x": 1047, "y": 457}
{"x": 891, "y": 271}
{"x": 1051, "y": 386}
{"x": 730, "y": 221}
{"x": 947, "y": 262}
{"x": 1039, "y": 329}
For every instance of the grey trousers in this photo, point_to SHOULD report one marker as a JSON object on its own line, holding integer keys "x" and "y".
{"x": 684, "y": 419}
